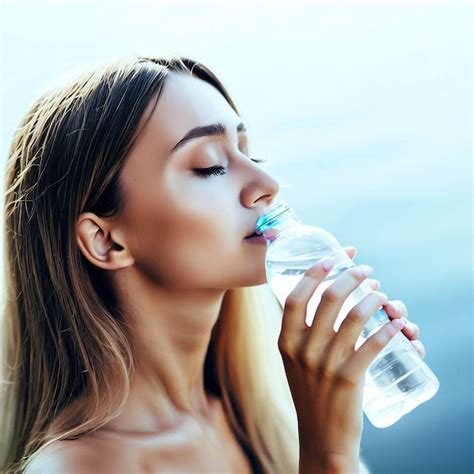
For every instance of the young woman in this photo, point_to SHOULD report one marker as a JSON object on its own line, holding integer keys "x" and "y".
{"x": 139, "y": 333}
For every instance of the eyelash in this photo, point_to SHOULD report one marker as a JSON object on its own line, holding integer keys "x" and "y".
{"x": 217, "y": 170}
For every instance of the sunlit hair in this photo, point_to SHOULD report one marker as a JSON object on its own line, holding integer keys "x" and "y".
{"x": 64, "y": 338}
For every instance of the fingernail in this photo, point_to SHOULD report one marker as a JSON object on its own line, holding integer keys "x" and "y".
{"x": 365, "y": 270}
{"x": 398, "y": 323}
{"x": 328, "y": 263}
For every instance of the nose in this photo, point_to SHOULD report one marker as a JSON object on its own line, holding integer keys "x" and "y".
{"x": 259, "y": 191}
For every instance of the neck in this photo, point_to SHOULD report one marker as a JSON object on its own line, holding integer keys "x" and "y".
{"x": 170, "y": 331}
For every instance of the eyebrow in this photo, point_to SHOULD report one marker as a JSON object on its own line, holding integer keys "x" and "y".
{"x": 214, "y": 129}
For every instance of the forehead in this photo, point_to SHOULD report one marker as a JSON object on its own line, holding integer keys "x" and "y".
{"x": 187, "y": 102}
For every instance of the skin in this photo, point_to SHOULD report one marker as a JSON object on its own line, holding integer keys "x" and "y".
{"x": 326, "y": 374}
{"x": 172, "y": 254}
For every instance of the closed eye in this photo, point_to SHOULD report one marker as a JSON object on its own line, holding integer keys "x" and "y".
{"x": 217, "y": 170}
{"x": 208, "y": 172}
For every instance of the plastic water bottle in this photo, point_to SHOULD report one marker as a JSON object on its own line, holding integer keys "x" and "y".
{"x": 398, "y": 380}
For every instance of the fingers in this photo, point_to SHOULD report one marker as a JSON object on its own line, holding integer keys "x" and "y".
{"x": 411, "y": 330}
{"x": 294, "y": 313}
{"x": 397, "y": 309}
{"x": 351, "y": 251}
{"x": 332, "y": 300}
{"x": 353, "y": 323}
{"x": 418, "y": 345}
{"x": 374, "y": 284}
{"x": 356, "y": 366}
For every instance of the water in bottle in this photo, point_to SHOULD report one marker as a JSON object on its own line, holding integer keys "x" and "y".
{"x": 398, "y": 379}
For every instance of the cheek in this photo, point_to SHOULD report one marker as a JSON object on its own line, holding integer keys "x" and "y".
{"x": 186, "y": 242}
{"x": 182, "y": 251}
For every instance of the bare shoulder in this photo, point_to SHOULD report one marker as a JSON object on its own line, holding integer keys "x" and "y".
{"x": 72, "y": 457}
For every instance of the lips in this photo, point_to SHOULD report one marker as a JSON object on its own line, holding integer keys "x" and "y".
{"x": 253, "y": 234}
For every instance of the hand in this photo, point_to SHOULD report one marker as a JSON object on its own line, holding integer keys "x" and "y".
{"x": 325, "y": 373}
{"x": 411, "y": 330}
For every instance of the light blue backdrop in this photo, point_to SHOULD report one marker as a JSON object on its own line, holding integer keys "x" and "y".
{"x": 366, "y": 114}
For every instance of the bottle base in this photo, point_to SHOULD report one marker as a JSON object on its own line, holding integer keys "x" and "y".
{"x": 392, "y": 403}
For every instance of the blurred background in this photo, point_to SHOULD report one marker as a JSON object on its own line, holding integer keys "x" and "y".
{"x": 365, "y": 112}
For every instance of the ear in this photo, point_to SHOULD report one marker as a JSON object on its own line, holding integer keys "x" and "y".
{"x": 95, "y": 240}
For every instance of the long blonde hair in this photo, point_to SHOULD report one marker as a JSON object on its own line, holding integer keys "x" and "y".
{"x": 64, "y": 338}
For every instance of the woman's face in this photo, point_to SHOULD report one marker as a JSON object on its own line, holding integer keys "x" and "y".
{"x": 185, "y": 230}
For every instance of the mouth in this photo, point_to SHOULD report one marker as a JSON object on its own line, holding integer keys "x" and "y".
{"x": 253, "y": 234}
{"x": 256, "y": 238}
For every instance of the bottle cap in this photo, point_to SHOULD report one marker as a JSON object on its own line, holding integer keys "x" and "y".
{"x": 277, "y": 216}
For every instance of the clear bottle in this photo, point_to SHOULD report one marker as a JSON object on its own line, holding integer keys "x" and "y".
{"x": 398, "y": 380}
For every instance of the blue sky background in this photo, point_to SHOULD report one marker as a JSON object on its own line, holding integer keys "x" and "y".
{"x": 365, "y": 111}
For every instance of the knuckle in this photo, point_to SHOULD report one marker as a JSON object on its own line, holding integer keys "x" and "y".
{"x": 356, "y": 274}
{"x": 285, "y": 346}
{"x": 287, "y": 357}
{"x": 326, "y": 372}
{"x": 356, "y": 316}
{"x": 308, "y": 360}
{"x": 293, "y": 302}
{"x": 330, "y": 295}
{"x": 380, "y": 340}
{"x": 375, "y": 299}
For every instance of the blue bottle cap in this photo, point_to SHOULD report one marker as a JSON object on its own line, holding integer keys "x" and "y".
{"x": 278, "y": 214}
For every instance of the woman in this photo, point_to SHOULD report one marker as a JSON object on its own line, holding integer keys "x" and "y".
{"x": 139, "y": 333}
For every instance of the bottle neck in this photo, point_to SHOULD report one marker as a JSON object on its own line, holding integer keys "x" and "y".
{"x": 276, "y": 219}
